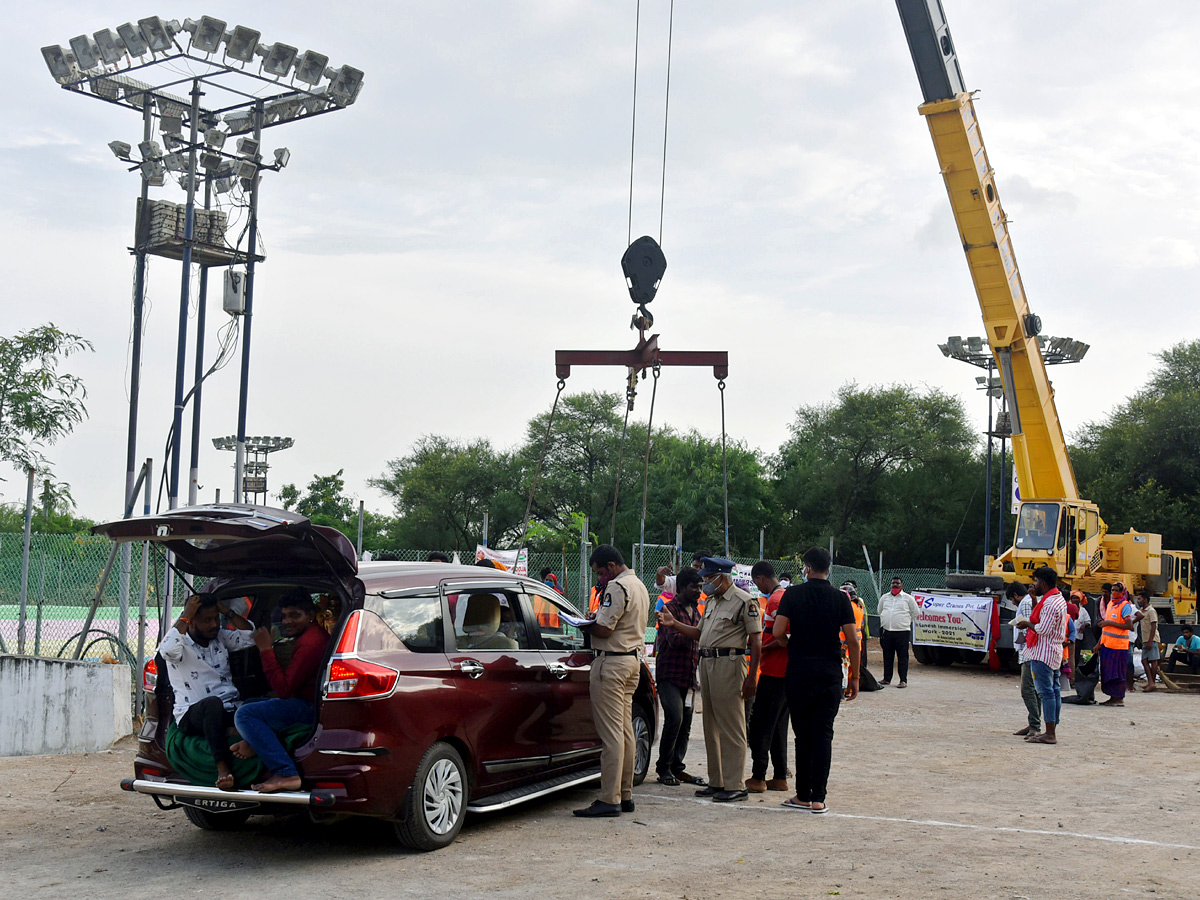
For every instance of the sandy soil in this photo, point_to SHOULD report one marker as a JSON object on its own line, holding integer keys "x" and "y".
{"x": 931, "y": 796}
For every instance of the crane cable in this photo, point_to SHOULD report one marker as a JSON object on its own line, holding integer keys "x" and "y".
{"x": 630, "y": 395}
{"x": 724, "y": 466}
{"x": 662, "y": 196}
{"x": 666, "y": 119}
{"x": 537, "y": 474}
{"x": 646, "y": 470}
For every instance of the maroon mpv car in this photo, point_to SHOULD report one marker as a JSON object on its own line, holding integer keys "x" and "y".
{"x": 446, "y": 689}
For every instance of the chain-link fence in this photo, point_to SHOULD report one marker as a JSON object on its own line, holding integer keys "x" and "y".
{"x": 65, "y": 570}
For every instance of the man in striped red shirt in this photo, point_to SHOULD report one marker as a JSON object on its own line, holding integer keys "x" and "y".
{"x": 1046, "y": 629}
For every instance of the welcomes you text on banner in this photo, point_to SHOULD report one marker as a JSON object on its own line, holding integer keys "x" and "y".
{"x": 948, "y": 621}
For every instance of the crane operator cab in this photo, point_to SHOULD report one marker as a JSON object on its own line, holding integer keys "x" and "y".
{"x": 1060, "y": 533}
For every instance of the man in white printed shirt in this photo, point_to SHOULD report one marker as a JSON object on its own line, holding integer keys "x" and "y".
{"x": 1017, "y": 593}
{"x": 1045, "y": 631}
{"x": 196, "y": 651}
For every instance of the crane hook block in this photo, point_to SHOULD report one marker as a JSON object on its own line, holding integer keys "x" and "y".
{"x": 644, "y": 265}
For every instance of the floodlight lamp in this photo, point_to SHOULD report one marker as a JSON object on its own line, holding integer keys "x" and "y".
{"x": 955, "y": 343}
{"x": 207, "y": 34}
{"x": 215, "y": 138}
{"x": 58, "y": 61}
{"x": 132, "y": 39}
{"x": 174, "y": 162}
{"x": 313, "y": 105}
{"x": 120, "y": 149}
{"x": 238, "y": 124}
{"x": 279, "y": 59}
{"x": 247, "y": 168}
{"x": 170, "y": 124}
{"x": 111, "y": 48}
{"x": 242, "y": 43}
{"x": 945, "y": 348}
{"x": 222, "y": 185}
{"x": 311, "y": 68}
{"x": 975, "y": 344}
{"x": 247, "y": 184}
{"x": 106, "y": 88}
{"x": 154, "y": 30}
{"x": 210, "y": 160}
{"x": 85, "y": 52}
{"x": 247, "y": 147}
{"x": 150, "y": 150}
{"x": 345, "y": 84}
{"x": 154, "y": 172}
{"x": 282, "y": 155}
{"x": 281, "y": 111}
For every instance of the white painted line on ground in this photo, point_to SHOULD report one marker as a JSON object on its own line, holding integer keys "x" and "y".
{"x": 1112, "y": 839}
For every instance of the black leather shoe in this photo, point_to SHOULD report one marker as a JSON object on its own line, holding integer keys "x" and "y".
{"x": 729, "y": 796}
{"x": 627, "y": 806}
{"x": 709, "y": 791}
{"x": 599, "y": 810}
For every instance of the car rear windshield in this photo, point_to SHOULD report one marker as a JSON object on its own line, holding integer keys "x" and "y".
{"x": 417, "y": 621}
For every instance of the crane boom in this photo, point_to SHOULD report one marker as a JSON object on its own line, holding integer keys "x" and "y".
{"x": 1039, "y": 446}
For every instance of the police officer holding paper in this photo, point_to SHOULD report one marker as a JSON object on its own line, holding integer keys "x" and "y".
{"x": 730, "y": 630}
{"x": 618, "y": 633}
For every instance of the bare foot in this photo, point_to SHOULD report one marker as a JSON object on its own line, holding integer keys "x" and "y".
{"x": 225, "y": 781}
{"x": 1113, "y": 701}
{"x": 1042, "y": 739}
{"x": 243, "y": 750}
{"x": 278, "y": 783}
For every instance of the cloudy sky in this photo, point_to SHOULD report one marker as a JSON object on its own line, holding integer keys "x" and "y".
{"x": 431, "y": 246}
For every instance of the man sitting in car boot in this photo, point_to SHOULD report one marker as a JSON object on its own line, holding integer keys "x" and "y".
{"x": 196, "y": 651}
{"x": 295, "y": 686}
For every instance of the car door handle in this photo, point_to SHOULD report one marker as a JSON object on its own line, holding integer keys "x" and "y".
{"x": 470, "y": 667}
{"x": 558, "y": 670}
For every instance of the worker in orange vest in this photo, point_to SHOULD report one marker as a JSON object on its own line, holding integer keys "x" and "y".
{"x": 1116, "y": 626}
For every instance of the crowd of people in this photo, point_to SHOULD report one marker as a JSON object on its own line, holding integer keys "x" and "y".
{"x": 756, "y": 664}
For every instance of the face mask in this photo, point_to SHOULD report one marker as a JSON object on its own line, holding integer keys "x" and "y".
{"x": 895, "y": 592}
{"x": 710, "y": 587}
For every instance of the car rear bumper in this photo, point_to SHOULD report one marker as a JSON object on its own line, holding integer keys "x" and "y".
{"x": 216, "y": 799}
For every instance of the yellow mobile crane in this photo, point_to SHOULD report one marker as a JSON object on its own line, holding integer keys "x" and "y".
{"x": 1055, "y": 526}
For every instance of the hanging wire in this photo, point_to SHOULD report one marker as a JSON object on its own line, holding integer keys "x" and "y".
{"x": 537, "y": 474}
{"x": 646, "y": 470}
{"x": 662, "y": 196}
{"x": 637, "y": 31}
{"x": 724, "y": 466}
{"x": 630, "y": 395}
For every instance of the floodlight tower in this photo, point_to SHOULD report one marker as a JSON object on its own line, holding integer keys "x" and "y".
{"x": 218, "y": 65}
{"x": 255, "y": 480}
{"x": 975, "y": 351}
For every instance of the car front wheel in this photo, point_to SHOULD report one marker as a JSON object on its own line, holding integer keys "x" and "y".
{"x": 437, "y": 800}
{"x": 643, "y": 733}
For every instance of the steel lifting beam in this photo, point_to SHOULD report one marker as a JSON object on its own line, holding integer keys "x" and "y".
{"x": 646, "y": 355}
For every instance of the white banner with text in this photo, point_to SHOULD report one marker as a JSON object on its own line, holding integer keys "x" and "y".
{"x": 949, "y": 621}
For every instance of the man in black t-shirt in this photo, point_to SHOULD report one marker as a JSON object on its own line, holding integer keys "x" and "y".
{"x": 811, "y": 618}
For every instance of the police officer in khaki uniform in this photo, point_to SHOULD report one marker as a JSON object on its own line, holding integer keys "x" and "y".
{"x": 731, "y": 622}
{"x": 618, "y": 633}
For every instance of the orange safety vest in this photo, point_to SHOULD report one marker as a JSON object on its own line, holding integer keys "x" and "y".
{"x": 594, "y": 601}
{"x": 860, "y": 613}
{"x": 1116, "y": 638}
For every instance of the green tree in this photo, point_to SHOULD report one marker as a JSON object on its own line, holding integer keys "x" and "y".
{"x": 38, "y": 403}
{"x": 325, "y": 503}
{"x": 442, "y": 488}
{"x": 1141, "y": 464}
{"x": 891, "y": 467}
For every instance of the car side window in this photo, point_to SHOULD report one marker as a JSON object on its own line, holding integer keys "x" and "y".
{"x": 488, "y": 620}
{"x": 555, "y": 633}
{"x": 417, "y": 621}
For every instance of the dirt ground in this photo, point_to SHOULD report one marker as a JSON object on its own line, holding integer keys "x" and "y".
{"x": 930, "y": 796}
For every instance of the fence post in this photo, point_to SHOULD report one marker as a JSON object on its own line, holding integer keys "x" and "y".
{"x": 361, "y": 511}
{"x": 583, "y": 565}
{"x": 37, "y": 628}
{"x": 947, "y": 557}
{"x": 25, "y": 565}
{"x": 762, "y": 536}
{"x": 485, "y": 528}
{"x": 677, "y": 562}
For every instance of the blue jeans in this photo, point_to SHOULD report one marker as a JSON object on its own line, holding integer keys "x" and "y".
{"x": 1046, "y": 681}
{"x": 260, "y": 721}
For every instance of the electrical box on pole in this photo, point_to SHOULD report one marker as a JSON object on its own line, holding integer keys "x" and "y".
{"x": 235, "y": 292}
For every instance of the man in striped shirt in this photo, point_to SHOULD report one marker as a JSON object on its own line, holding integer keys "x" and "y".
{"x": 1046, "y": 629}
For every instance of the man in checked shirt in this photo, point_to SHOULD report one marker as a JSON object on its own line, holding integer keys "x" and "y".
{"x": 1045, "y": 631}
{"x": 676, "y": 658}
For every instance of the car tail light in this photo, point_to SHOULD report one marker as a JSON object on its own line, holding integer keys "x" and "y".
{"x": 357, "y": 679}
{"x": 349, "y": 635}
{"x": 150, "y": 675}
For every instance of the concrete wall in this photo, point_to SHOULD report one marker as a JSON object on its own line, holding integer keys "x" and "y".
{"x": 61, "y": 706}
